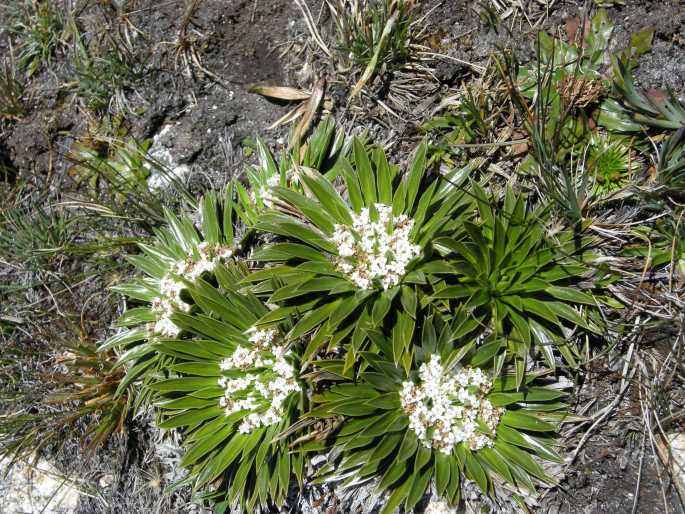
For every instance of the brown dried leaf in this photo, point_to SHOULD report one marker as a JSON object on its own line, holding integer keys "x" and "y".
{"x": 571, "y": 26}
{"x": 290, "y": 94}
{"x": 312, "y": 106}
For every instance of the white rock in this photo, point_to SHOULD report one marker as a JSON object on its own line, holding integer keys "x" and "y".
{"x": 40, "y": 488}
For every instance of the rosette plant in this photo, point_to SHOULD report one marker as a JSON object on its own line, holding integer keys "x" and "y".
{"x": 178, "y": 252}
{"x": 441, "y": 422}
{"x": 528, "y": 288}
{"x": 350, "y": 262}
{"x": 232, "y": 389}
{"x": 320, "y": 152}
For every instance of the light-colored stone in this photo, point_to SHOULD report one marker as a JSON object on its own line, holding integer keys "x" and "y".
{"x": 36, "y": 488}
{"x": 677, "y": 459}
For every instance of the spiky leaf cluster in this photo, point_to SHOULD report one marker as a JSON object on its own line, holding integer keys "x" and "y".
{"x": 378, "y": 438}
{"x": 374, "y": 286}
{"x": 521, "y": 283}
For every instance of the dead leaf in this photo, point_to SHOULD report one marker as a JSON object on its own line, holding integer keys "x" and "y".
{"x": 290, "y": 94}
{"x": 519, "y": 149}
{"x": 312, "y": 106}
{"x": 571, "y": 26}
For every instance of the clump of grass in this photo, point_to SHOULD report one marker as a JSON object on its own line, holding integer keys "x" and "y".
{"x": 11, "y": 90}
{"x": 120, "y": 164}
{"x": 103, "y": 71}
{"x": 372, "y": 32}
{"x": 375, "y": 38}
{"x": 55, "y": 386}
{"x": 32, "y": 237}
{"x": 39, "y": 26}
{"x": 76, "y": 397}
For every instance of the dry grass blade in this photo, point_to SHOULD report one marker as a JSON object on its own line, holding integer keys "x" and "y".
{"x": 311, "y": 108}
{"x": 311, "y": 25}
{"x": 289, "y": 117}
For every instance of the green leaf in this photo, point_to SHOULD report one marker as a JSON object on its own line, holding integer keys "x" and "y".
{"x": 442, "y": 472}
{"x": 525, "y": 421}
{"x": 353, "y": 187}
{"x": 183, "y": 384}
{"x": 397, "y": 497}
{"x": 364, "y": 172}
{"x": 325, "y": 193}
{"x": 313, "y": 319}
{"x": 641, "y": 40}
{"x": 210, "y": 222}
{"x": 416, "y": 173}
{"x": 418, "y": 488}
{"x": 384, "y": 176}
{"x": 192, "y": 417}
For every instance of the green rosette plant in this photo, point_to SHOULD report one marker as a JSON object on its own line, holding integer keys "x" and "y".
{"x": 232, "y": 390}
{"x": 190, "y": 346}
{"x": 526, "y": 287}
{"x": 348, "y": 263}
{"x": 612, "y": 162}
{"x": 179, "y": 252}
{"x": 321, "y": 151}
{"x": 438, "y": 424}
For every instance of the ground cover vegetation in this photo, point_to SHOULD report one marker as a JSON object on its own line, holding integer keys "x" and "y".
{"x": 415, "y": 320}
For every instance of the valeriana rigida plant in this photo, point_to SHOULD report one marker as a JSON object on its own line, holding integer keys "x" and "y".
{"x": 320, "y": 151}
{"x": 179, "y": 252}
{"x": 349, "y": 263}
{"x": 443, "y": 421}
{"x": 529, "y": 289}
{"x": 427, "y": 299}
{"x": 192, "y": 349}
{"x": 233, "y": 388}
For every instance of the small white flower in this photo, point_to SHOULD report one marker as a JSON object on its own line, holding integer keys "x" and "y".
{"x": 375, "y": 250}
{"x": 165, "y": 327}
{"x": 450, "y": 405}
{"x": 171, "y": 285}
{"x": 267, "y": 389}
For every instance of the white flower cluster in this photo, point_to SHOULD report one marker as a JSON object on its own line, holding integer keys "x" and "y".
{"x": 439, "y": 507}
{"x": 264, "y": 193}
{"x": 445, "y": 408}
{"x": 263, "y": 392}
{"x": 170, "y": 286}
{"x": 372, "y": 250}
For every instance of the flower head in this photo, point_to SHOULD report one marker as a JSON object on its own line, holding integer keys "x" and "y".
{"x": 446, "y": 408}
{"x": 171, "y": 284}
{"x": 264, "y": 390}
{"x": 375, "y": 249}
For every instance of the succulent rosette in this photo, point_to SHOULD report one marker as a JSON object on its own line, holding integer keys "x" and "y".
{"x": 531, "y": 290}
{"x": 356, "y": 249}
{"x": 442, "y": 422}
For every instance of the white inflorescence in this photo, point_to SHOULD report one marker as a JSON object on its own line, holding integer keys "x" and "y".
{"x": 264, "y": 391}
{"x": 171, "y": 285}
{"x": 264, "y": 192}
{"x": 446, "y": 407}
{"x": 439, "y": 507}
{"x": 378, "y": 249}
